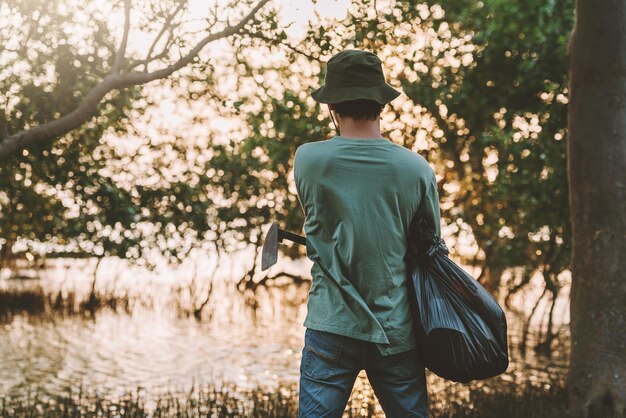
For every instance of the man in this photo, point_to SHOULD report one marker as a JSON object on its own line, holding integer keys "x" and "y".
{"x": 359, "y": 193}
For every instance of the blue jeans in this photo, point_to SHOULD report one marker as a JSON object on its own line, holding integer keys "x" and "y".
{"x": 330, "y": 365}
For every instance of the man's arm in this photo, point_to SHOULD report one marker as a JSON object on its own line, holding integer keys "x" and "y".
{"x": 297, "y": 178}
{"x": 429, "y": 212}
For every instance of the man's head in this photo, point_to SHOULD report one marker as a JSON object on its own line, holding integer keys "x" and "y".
{"x": 354, "y": 86}
{"x": 359, "y": 109}
{"x": 354, "y": 74}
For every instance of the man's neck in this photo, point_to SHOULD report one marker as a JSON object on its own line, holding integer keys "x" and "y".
{"x": 360, "y": 129}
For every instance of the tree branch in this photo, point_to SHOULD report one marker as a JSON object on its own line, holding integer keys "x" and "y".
{"x": 145, "y": 62}
{"x": 287, "y": 45}
{"x": 132, "y": 79}
{"x": 85, "y": 110}
{"x": 166, "y": 26}
{"x": 51, "y": 130}
{"x": 119, "y": 57}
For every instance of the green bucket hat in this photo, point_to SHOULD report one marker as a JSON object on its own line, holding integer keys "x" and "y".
{"x": 354, "y": 74}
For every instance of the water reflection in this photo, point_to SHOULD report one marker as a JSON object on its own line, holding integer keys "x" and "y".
{"x": 248, "y": 338}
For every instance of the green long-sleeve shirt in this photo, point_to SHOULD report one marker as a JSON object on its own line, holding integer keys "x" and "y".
{"x": 359, "y": 197}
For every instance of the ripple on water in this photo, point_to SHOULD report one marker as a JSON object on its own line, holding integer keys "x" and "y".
{"x": 117, "y": 352}
{"x": 142, "y": 350}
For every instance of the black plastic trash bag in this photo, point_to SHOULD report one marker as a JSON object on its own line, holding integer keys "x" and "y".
{"x": 461, "y": 328}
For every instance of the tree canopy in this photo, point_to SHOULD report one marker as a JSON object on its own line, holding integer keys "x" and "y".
{"x": 485, "y": 99}
{"x": 71, "y": 84}
{"x": 485, "y": 102}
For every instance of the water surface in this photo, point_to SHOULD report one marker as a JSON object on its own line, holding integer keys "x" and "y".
{"x": 250, "y": 338}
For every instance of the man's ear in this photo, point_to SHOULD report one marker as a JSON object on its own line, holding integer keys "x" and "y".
{"x": 332, "y": 110}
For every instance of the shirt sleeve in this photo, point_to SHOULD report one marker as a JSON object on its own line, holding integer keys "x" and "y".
{"x": 430, "y": 210}
{"x": 297, "y": 179}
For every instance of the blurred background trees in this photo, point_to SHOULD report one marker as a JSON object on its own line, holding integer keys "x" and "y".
{"x": 71, "y": 87}
{"x": 485, "y": 101}
{"x": 486, "y": 95}
{"x": 96, "y": 162}
{"x": 597, "y": 162}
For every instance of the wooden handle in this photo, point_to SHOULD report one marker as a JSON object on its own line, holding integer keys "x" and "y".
{"x": 298, "y": 239}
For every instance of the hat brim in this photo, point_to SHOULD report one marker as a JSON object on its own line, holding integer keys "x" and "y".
{"x": 382, "y": 93}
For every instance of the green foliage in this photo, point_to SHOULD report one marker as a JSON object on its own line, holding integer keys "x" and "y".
{"x": 509, "y": 103}
{"x": 59, "y": 193}
{"x": 78, "y": 196}
{"x": 485, "y": 87}
{"x": 485, "y": 99}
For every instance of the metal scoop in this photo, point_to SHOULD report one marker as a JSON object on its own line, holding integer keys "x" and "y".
{"x": 273, "y": 237}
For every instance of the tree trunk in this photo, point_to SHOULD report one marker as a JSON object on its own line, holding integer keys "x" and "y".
{"x": 597, "y": 167}
{"x": 491, "y": 278}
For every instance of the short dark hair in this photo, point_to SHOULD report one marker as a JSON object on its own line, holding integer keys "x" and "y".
{"x": 359, "y": 109}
